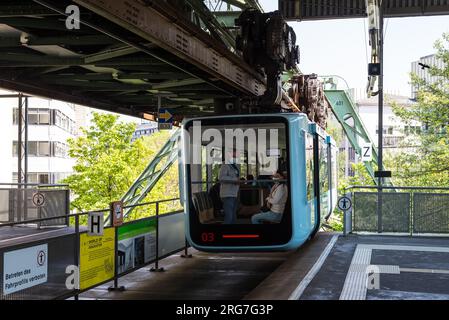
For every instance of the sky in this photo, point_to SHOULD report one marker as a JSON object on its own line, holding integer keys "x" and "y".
{"x": 338, "y": 47}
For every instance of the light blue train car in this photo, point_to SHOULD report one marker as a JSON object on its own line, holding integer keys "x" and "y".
{"x": 227, "y": 169}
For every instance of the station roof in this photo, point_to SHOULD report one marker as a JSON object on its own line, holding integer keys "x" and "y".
{"x": 104, "y": 65}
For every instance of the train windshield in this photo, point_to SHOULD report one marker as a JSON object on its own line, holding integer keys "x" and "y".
{"x": 238, "y": 171}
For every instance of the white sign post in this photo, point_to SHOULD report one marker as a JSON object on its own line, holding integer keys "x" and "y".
{"x": 344, "y": 204}
{"x": 25, "y": 268}
{"x": 95, "y": 224}
{"x": 367, "y": 152}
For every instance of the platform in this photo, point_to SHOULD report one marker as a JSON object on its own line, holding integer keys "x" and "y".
{"x": 205, "y": 276}
{"x": 12, "y": 236}
{"x": 408, "y": 269}
{"x": 330, "y": 267}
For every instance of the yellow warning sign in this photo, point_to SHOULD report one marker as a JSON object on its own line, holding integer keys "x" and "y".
{"x": 96, "y": 258}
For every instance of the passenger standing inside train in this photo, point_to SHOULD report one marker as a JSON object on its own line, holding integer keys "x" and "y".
{"x": 229, "y": 178}
{"x": 275, "y": 201}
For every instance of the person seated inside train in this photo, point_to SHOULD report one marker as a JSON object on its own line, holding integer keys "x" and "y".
{"x": 276, "y": 201}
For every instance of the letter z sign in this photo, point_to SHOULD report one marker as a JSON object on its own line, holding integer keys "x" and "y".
{"x": 95, "y": 224}
{"x": 367, "y": 152}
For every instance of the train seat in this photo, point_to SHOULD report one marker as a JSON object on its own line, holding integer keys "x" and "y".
{"x": 204, "y": 207}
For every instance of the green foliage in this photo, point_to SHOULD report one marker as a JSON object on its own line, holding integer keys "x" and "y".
{"x": 360, "y": 178}
{"x": 107, "y": 164}
{"x": 427, "y": 163}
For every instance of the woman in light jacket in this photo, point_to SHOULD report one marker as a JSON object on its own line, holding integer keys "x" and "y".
{"x": 275, "y": 202}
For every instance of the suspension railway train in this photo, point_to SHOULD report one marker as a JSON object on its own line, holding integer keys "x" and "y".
{"x": 291, "y": 143}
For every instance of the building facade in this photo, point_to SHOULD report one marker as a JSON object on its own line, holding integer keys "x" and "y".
{"x": 422, "y": 69}
{"x": 395, "y": 132}
{"x": 145, "y": 129}
{"x": 50, "y": 124}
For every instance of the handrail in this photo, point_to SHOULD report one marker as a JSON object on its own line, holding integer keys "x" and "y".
{"x": 78, "y": 214}
{"x": 33, "y": 184}
{"x": 394, "y": 187}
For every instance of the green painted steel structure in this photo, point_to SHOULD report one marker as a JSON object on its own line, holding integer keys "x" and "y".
{"x": 157, "y": 167}
{"x": 346, "y": 113}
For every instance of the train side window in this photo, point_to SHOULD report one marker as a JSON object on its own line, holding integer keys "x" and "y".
{"x": 323, "y": 175}
{"x": 309, "y": 167}
{"x": 334, "y": 168}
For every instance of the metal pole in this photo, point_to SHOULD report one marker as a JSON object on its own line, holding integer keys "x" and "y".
{"x": 115, "y": 287}
{"x": 156, "y": 264}
{"x": 381, "y": 111}
{"x": 25, "y": 145}
{"x": 344, "y": 216}
{"x": 19, "y": 140}
{"x": 20, "y": 200}
{"x": 77, "y": 253}
{"x": 186, "y": 251}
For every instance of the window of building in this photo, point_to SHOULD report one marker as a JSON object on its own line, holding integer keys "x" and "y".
{"x": 15, "y": 151}
{"x": 35, "y": 116}
{"x": 32, "y": 148}
{"x": 386, "y": 130}
{"x": 34, "y": 177}
{"x": 44, "y": 118}
{"x": 44, "y": 178}
{"x": 410, "y": 130}
{"x": 60, "y": 149}
{"x": 42, "y": 149}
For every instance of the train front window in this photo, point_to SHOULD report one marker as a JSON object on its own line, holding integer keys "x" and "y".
{"x": 238, "y": 171}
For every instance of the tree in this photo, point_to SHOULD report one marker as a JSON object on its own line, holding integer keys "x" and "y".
{"x": 107, "y": 163}
{"x": 427, "y": 162}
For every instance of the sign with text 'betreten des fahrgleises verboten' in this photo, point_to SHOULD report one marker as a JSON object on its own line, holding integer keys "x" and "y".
{"x": 25, "y": 268}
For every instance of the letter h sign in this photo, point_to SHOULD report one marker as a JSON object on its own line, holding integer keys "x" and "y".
{"x": 95, "y": 224}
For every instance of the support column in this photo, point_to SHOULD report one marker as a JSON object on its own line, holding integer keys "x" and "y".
{"x": 380, "y": 120}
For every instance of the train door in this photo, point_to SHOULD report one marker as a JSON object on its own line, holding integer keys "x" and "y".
{"x": 321, "y": 173}
{"x": 310, "y": 179}
{"x": 332, "y": 152}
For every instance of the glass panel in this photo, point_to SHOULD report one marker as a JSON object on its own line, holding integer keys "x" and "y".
{"x": 171, "y": 233}
{"x": 324, "y": 180}
{"x": 33, "y": 118}
{"x": 15, "y": 116}
{"x": 58, "y": 120}
{"x": 15, "y": 150}
{"x": 43, "y": 178}
{"x": 309, "y": 167}
{"x": 334, "y": 169}
{"x": 239, "y": 171}
{"x": 44, "y": 149}
{"x": 32, "y": 177}
{"x": 32, "y": 148}
{"x": 44, "y": 118}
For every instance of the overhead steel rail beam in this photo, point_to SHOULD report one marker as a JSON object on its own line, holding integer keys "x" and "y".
{"x": 304, "y": 10}
{"x": 117, "y": 64}
{"x": 160, "y": 24}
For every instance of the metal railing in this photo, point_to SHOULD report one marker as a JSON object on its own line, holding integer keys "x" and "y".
{"x": 406, "y": 210}
{"x": 22, "y": 202}
{"x": 95, "y": 260}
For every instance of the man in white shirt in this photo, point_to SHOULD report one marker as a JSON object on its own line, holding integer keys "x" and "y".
{"x": 229, "y": 178}
{"x": 276, "y": 202}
